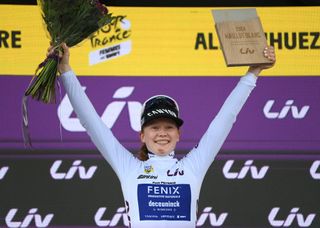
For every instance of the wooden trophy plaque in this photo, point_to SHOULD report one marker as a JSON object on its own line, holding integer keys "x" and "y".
{"x": 241, "y": 36}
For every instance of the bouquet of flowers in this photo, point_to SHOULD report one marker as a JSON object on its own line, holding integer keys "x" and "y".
{"x": 69, "y": 21}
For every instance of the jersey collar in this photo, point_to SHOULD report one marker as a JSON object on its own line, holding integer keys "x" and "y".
{"x": 152, "y": 155}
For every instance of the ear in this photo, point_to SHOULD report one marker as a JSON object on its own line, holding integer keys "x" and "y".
{"x": 142, "y": 137}
{"x": 179, "y": 134}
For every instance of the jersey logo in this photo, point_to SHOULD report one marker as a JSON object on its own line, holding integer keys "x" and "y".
{"x": 164, "y": 202}
{"x": 143, "y": 176}
{"x": 177, "y": 172}
{"x": 148, "y": 169}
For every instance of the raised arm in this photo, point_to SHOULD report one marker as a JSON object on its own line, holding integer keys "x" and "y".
{"x": 117, "y": 156}
{"x": 201, "y": 157}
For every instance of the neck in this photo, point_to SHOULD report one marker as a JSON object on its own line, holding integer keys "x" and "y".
{"x": 152, "y": 155}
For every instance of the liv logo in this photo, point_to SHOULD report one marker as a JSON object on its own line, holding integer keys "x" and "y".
{"x": 293, "y": 218}
{"x": 3, "y": 172}
{"x": 215, "y": 220}
{"x": 110, "y": 114}
{"x": 247, "y": 51}
{"x": 177, "y": 172}
{"x": 115, "y": 221}
{"x": 244, "y": 171}
{"x": 71, "y": 172}
{"x": 315, "y": 170}
{"x": 32, "y": 216}
{"x": 296, "y": 113}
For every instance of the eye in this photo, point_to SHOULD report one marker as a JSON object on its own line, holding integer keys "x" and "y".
{"x": 154, "y": 127}
{"x": 169, "y": 127}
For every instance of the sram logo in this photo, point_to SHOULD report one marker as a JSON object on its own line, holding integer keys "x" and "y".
{"x": 70, "y": 172}
{"x": 31, "y": 217}
{"x": 293, "y": 218}
{"x": 110, "y": 114}
{"x": 288, "y": 109}
{"x": 248, "y": 168}
{"x": 3, "y": 171}
{"x": 214, "y": 219}
{"x": 116, "y": 219}
{"x": 315, "y": 170}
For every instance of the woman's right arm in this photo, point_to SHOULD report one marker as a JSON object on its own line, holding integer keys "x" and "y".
{"x": 118, "y": 157}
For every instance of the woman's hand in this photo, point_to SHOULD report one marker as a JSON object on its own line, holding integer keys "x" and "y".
{"x": 269, "y": 53}
{"x": 64, "y": 55}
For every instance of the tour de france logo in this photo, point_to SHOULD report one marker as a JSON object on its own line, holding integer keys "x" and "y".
{"x": 148, "y": 169}
{"x": 111, "y": 41}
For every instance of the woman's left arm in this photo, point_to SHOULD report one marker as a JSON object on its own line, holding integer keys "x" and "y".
{"x": 201, "y": 157}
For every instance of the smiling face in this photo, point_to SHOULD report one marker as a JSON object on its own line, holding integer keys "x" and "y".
{"x": 160, "y": 136}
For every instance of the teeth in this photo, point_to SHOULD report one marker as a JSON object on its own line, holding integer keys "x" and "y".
{"x": 162, "y": 141}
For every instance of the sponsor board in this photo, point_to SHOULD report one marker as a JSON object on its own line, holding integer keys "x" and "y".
{"x": 286, "y": 196}
{"x": 281, "y": 114}
{"x": 176, "y": 42}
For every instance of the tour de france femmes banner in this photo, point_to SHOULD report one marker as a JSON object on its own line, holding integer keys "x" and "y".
{"x": 161, "y": 42}
{"x": 72, "y": 189}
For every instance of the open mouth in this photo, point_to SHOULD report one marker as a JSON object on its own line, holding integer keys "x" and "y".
{"x": 162, "y": 142}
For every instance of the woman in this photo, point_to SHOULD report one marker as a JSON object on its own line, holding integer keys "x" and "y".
{"x": 159, "y": 190}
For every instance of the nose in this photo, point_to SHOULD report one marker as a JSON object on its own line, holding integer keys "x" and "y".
{"x": 162, "y": 132}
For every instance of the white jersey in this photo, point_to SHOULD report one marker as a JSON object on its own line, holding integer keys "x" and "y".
{"x": 162, "y": 191}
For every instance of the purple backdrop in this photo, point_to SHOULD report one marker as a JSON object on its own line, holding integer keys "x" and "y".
{"x": 283, "y": 113}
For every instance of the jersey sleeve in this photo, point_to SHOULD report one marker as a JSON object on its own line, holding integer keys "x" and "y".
{"x": 201, "y": 157}
{"x": 117, "y": 156}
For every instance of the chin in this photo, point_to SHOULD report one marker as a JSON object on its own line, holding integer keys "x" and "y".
{"x": 162, "y": 153}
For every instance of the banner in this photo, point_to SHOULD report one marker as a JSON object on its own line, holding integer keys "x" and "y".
{"x": 79, "y": 189}
{"x": 282, "y": 113}
{"x": 161, "y": 42}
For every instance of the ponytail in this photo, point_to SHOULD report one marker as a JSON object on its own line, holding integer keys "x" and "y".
{"x": 143, "y": 153}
